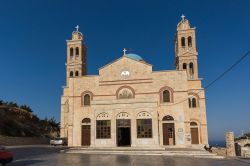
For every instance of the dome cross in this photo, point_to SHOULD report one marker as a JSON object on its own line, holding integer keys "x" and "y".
{"x": 124, "y": 51}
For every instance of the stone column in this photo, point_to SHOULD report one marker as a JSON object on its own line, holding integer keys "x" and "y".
{"x": 230, "y": 144}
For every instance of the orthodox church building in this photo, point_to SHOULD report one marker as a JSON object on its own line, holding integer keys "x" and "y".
{"x": 129, "y": 104}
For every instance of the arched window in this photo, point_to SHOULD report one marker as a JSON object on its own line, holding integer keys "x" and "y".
{"x": 144, "y": 125}
{"x": 103, "y": 125}
{"x": 71, "y": 53}
{"x": 71, "y": 74}
{"x": 76, "y": 73}
{"x": 86, "y": 99}
{"x": 77, "y": 52}
{"x": 189, "y": 41}
{"x": 183, "y": 44}
{"x": 191, "y": 68}
{"x": 189, "y": 103}
{"x": 194, "y": 102}
{"x": 184, "y": 66}
{"x": 166, "y": 96}
{"x": 66, "y": 106}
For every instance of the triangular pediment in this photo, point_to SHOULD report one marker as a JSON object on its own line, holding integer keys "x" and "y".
{"x": 125, "y": 68}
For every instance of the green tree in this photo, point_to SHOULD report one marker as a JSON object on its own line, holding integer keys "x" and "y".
{"x": 12, "y": 104}
{"x": 27, "y": 108}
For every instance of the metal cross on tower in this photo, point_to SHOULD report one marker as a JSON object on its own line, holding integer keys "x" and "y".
{"x": 182, "y": 17}
{"x": 77, "y": 28}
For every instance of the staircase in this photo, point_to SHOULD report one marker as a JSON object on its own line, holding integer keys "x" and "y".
{"x": 173, "y": 152}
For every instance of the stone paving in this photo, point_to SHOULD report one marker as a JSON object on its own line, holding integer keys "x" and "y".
{"x": 51, "y": 156}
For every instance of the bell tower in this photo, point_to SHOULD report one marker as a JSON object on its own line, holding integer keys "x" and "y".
{"x": 185, "y": 49}
{"x": 76, "y": 55}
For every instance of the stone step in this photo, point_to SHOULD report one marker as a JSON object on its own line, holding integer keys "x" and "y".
{"x": 140, "y": 151}
{"x": 133, "y": 152}
{"x": 117, "y": 149}
{"x": 137, "y": 149}
{"x": 184, "y": 153}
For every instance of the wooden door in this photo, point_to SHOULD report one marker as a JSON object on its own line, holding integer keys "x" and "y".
{"x": 85, "y": 135}
{"x": 168, "y": 134}
{"x": 194, "y": 136}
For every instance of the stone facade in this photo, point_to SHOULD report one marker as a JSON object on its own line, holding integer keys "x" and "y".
{"x": 129, "y": 104}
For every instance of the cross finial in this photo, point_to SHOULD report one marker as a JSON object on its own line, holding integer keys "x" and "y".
{"x": 182, "y": 17}
{"x": 77, "y": 28}
{"x": 124, "y": 51}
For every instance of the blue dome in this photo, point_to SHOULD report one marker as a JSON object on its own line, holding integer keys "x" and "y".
{"x": 134, "y": 56}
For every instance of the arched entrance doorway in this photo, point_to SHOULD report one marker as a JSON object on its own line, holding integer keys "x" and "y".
{"x": 86, "y": 129}
{"x": 194, "y": 133}
{"x": 168, "y": 130}
{"x": 123, "y": 129}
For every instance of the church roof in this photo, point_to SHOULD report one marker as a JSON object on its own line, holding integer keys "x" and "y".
{"x": 131, "y": 56}
{"x": 134, "y": 56}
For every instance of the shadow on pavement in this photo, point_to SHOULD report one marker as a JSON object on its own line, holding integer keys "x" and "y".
{"x": 25, "y": 162}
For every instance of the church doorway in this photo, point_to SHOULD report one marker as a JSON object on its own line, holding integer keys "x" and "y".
{"x": 194, "y": 133}
{"x": 168, "y": 130}
{"x": 86, "y": 132}
{"x": 123, "y": 132}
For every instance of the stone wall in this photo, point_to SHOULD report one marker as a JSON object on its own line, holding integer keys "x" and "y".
{"x": 8, "y": 141}
{"x": 219, "y": 151}
{"x": 230, "y": 144}
{"x": 245, "y": 151}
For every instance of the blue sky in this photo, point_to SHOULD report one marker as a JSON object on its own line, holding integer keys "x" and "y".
{"x": 33, "y": 48}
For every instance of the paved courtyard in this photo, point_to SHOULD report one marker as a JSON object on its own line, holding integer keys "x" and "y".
{"x": 51, "y": 156}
